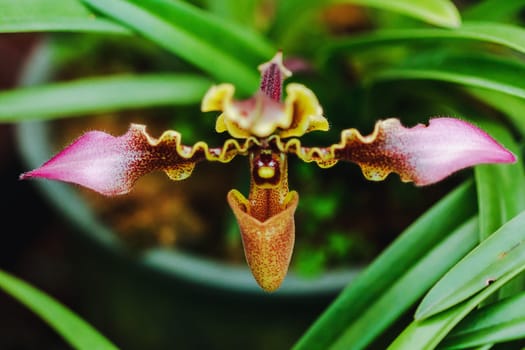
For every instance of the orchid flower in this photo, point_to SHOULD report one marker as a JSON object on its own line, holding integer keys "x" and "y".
{"x": 266, "y": 129}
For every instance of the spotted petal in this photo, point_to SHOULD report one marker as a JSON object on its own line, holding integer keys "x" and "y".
{"x": 268, "y": 244}
{"x": 110, "y": 165}
{"x": 262, "y": 116}
{"x": 422, "y": 154}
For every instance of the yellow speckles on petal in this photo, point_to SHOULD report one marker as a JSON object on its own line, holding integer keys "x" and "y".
{"x": 374, "y": 174}
{"x": 180, "y": 172}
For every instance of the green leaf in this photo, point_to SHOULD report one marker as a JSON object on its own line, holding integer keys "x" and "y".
{"x": 499, "y": 322}
{"x": 242, "y": 12}
{"x": 493, "y": 10}
{"x": 408, "y": 288}
{"x": 99, "y": 95}
{"x": 494, "y": 33}
{"x": 228, "y": 52}
{"x": 400, "y": 256}
{"x": 427, "y": 334}
{"x": 483, "y": 347}
{"x": 510, "y": 106}
{"x": 73, "y": 329}
{"x": 477, "y": 70}
{"x": 500, "y": 187}
{"x": 58, "y": 15}
{"x": 501, "y": 254}
{"x": 501, "y": 193}
{"x": 438, "y": 12}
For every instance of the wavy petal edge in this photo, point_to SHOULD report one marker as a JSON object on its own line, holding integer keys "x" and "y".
{"x": 424, "y": 154}
{"x": 111, "y": 164}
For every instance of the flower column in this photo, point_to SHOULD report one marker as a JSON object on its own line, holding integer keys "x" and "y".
{"x": 266, "y": 218}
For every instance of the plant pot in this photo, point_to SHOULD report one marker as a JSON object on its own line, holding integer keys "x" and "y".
{"x": 160, "y": 298}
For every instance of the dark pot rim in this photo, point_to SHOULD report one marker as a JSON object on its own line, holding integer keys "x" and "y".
{"x": 35, "y": 148}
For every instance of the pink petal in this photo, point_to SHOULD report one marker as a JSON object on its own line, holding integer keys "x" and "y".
{"x": 95, "y": 160}
{"x": 111, "y": 165}
{"x": 423, "y": 154}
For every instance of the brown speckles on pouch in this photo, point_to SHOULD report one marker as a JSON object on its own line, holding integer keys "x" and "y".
{"x": 268, "y": 245}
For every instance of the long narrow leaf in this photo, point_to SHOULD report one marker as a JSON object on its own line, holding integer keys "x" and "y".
{"x": 493, "y": 10}
{"x": 408, "y": 288}
{"x": 428, "y": 333}
{"x": 501, "y": 194}
{"x": 242, "y": 12}
{"x": 494, "y": 33}
{"x": 56, "y": 15}
{"x": 501, "y": 254}
{"x": 510, "y": 106}
{"x": 438, "y": 12}
{"x": 73, "y": 329}
{"x": 499, "y": 322}
{"x": 228, "y": 53}
{"x": 500, "y": 188}
{"x": 485, "y": 71}
{"x": 100, "y": 94}
{"x": 409, "y": 248}
{"x": 240, "y": 42}
{"x": 483, "y": 347}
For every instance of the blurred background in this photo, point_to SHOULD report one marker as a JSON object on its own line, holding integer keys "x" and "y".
{"x": 34, "y": 240}
{"x": 339, "y": 226}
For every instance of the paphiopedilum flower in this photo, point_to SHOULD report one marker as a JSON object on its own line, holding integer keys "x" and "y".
{"x": 266, "y": 129}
